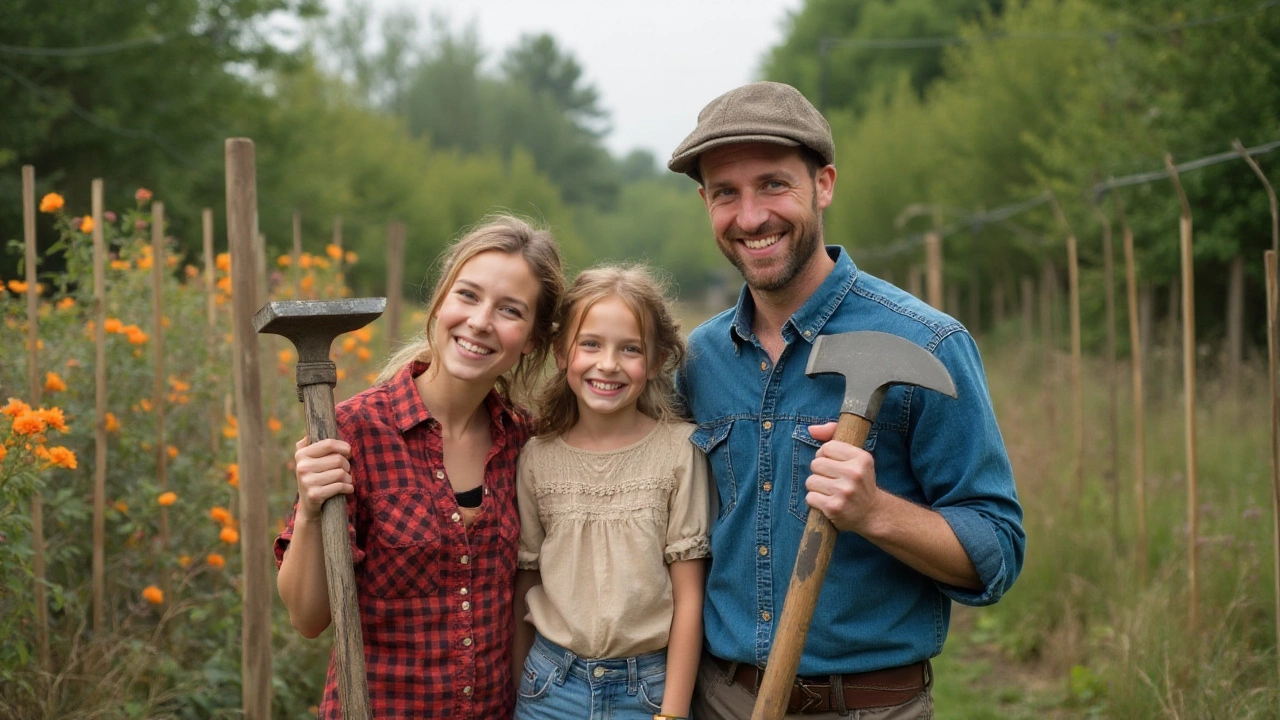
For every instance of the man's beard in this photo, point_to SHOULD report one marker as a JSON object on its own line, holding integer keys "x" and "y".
{"x": 805, "y": 241}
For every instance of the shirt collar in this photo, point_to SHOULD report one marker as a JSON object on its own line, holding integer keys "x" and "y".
{"x": 409, "y": 410}
{"x": 808, "y": 321}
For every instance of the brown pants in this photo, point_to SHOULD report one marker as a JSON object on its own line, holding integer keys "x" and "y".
{"x": 717, "y": 697}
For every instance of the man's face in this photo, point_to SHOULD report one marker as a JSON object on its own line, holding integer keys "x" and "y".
{"x": 765, "y": 210}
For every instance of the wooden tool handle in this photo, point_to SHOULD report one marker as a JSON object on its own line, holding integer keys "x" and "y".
{"x": 353, "y": 687}
{"x": 816, "y": 545}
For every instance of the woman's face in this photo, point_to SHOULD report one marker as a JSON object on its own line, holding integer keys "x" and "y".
{"x": 485, "y": 323}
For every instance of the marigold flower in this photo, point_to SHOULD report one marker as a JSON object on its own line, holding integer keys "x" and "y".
{"x": 145, "y": 404}
{"x": 54, "y": 418}
{"x": 51, "y": 203}
{"x": 284, "y": 261}
{"x": 223, "y": 262}
{"x": 190, "y": 270}
{"x": 17, "y": 287}
{"x": 167, "y": 499}
{"x": 144, "y": 262}
{"x": 216, "y": 561}
{"x": 172, "y": 451}
{"x": 86, "y": 224}
{"x": 28, "y": 423}
{"x": 286, "y": 356}
{"x": 307, "y": 282}
{"x": 178, "y": 385}
{"x": 142, "y": 195}
{"x": 135, "y": 335}
{"x": 342, "y": 373}
{"x": 364, "y": 334}
{"x": 62, "y": 457}
{"x": 153, "y": 595}
{"x": 350, "y": 258}
{"x": 121, "y": 506}
{"x": 112, "y": 423}
{"x": 305, "y": 260}
{"x": 348, "y": 344}
{"x": 233, "y": 475}
{"x": 119, "y": 264}
{"x": 231, "y": 429}
{"x": 333, "y": 251}
{"x": 65, "y": 303}
{"x": 229, "y": 536}
{"x": 224, "y": 284}
{"x": 274, "y": 425}
{"x": 15, "y": 408}
{"x": 220, "y": 514}
{"x": 53, "y": 382}
{"x": 3, "y": 451}
{"x": 363, "y": 354}
{"x": 184, "y": 561}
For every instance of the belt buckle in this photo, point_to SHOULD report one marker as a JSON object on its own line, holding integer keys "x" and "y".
{"x": 812, "y": 700}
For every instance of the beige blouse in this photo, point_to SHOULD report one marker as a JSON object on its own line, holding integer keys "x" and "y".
{"x": 602, "y": 527}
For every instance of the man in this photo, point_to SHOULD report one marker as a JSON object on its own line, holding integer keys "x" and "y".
{"x": 928, "y": 512}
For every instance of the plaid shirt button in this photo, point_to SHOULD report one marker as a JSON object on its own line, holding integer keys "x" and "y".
{"x": 466, "y": 642}
{"x": 455, "y": 517}
{"x": 465, "y": 559}
{"x": 463, "y": 591}
{"x": 466, "y": 604}
{"x": 466, "y": 690}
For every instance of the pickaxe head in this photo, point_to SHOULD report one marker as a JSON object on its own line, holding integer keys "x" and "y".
{"x": 872, "y": 361}
{"x": 313, "y": 324}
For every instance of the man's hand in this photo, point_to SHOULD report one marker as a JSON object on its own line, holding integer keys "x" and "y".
{"x": 843, "y": 484}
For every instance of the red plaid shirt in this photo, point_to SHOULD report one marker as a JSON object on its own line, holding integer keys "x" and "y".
{"x": 435, "y": 596}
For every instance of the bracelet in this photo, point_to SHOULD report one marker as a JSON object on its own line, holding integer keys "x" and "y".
{"x": 664, "y": 716}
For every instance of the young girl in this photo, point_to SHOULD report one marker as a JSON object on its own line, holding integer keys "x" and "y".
{"x": 614, "y": 515}
{"x": 429, "y": 463}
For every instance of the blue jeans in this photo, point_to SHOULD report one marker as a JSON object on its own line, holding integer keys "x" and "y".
{"x": 559, "y": 685}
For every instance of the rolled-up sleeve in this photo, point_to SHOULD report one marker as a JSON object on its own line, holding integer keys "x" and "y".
{"x": 689, "y": 517}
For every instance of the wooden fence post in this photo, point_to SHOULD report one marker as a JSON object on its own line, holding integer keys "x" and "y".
{"x": 1139, "y": 418}
{"x": 158, "y": 394}
{"x": 35, "y": 390}
{"x": 1273, "y": 349}
{"x": 1189, "y": 389}
{"x": 99, "y": 412}
{"x": 933, "y": 265}
{"x": 255, "y": 551}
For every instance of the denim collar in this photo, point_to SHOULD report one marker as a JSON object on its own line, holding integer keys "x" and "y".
{"x": 808, "y": 321}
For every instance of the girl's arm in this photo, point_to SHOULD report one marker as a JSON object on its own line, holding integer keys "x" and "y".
{"x": 684, "y": 649}
{"x": 323, "y": 471}
{"x": 523, "y": 635}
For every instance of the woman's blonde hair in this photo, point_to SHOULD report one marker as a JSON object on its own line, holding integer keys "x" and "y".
{"x": 645, "y": 294}
{"x": 511, "y": 235}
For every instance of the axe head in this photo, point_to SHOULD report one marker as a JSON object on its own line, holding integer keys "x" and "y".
{"x": 313, "y": 324}
{"x": 871, "y": 362}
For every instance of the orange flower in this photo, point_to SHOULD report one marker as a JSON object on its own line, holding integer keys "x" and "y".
{"x": 184, "y": 560}
{"x": 153, "y": 595}
{"x": 136, "y": 335}
{"x": 220, "y": 514}
{"x": 66, "y": 303}
{"x": 364, "y": 334}
{"x": 54, "y": 418}
{"x": 17, "y": 287}
{"x": 224, "y": 284}
{"x": 284, "y": 261}
{"x": 191, "y": 271}
{"x": 86, "y": 225}
{"x": 304, "y": 261}
{"x": 167, "y": 499}
{"x": 350, "y": 258}
{"x": 363, "y": 354}
{"x": 113, "y": 325}
{"x": 3, "y": 451}
{"x": 342, "y": 373}
{"x": 142, "y": 195}
{"x": 28, "y": 423}
{"x": 233, "y": 475}
{"x": 231, "y": 429}
{"x": 120, "y": 506}
{"x": 145, "y": 262}
{"x": 112, "y": 423}
{"x": 274, "y": 425}
{"x": 119, "y": 264}
{"x": 322, "y": 263}
{"x": 53, "y": 382}
{"x": 333, "y": 251}
{"x": 73, "y": 362}
{"x": 62, "y": 457}
{"x": 145, "y": 404}
{"x": 229, "y": 536}
{"x": 307, "y": 282}
{"x": 15, "y": 408}
{"x": 348, "y": 344}
{"x": 216, "y": 561}
{"x": 172, "y": 451}
{"x": 51, "y": 203}
{"x": 223, "y": 262}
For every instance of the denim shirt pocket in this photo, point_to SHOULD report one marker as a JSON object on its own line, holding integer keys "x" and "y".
{"x": 804, "y": 448}
{"x": 710, "y": 439}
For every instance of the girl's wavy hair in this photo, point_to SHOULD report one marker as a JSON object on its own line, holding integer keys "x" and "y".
{"x": 645, "y": 293}
{"x": 511, "y": 235}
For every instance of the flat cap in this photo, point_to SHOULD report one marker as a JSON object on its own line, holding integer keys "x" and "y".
{"x": 767, "y": 112}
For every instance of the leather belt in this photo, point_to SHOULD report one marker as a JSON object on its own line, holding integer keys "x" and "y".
{"x": 858, "y": 691}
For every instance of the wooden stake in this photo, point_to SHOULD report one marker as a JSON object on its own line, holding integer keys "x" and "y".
{"x": 933, "y": 265}
{"x": 35, "y": 391}
{"x": 157, "y": 359}
{"x": 1273, "y": 351}
{"x": 255, "y": 551}
{"x": 1077, "y": 393}
{"x": 395, "y": 281}
{"x": 1139, "y": 419}
{"x": 1189, "y": 389}
{"x": 100, "y": 413}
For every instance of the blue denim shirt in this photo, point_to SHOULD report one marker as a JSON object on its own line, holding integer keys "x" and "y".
{"x": 753, "y": 422}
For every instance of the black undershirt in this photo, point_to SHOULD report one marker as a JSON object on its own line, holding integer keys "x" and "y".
{"x": 470, "y": 498}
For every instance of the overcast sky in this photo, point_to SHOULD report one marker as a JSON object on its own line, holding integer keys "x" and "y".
{"x": 654, "y": 62}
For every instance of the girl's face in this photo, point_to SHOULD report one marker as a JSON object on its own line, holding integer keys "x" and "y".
{"x": 606, "y": 365}
{"x": 485, "y": 323}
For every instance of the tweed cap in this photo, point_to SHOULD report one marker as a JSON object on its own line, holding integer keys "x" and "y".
{"x": 759, "y": 112}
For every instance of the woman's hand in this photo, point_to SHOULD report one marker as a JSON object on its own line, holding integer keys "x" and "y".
{"x": 323, "y": 470}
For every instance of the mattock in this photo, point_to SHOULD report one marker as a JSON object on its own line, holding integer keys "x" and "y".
{"x": 870, "y": 362}
{"x": 311, "y": 325}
